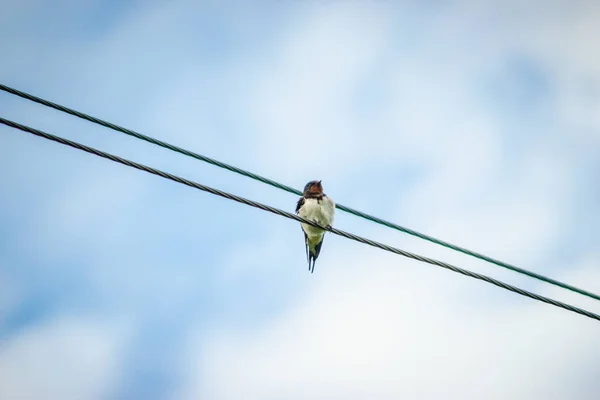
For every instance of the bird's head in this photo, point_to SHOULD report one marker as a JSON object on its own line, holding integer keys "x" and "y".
{"x": 313, "y": 187}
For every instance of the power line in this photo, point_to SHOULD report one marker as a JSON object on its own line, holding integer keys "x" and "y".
{"x": 295, "y": 217}
{"x": 289, "y": 189}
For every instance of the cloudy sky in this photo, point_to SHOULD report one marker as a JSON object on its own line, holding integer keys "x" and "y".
{"x": 474, "y": 121}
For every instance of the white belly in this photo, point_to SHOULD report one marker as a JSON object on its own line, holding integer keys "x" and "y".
{"x": 322, "y": 212}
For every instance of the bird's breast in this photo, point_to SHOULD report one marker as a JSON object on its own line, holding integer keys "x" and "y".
{"x": 311, "y": 209}
{"x": 319, "y": 211}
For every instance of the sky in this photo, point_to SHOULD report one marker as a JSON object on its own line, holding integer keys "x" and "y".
{"x": 477, "y": 122}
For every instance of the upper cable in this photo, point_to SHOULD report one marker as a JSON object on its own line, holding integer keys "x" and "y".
{"x": 289, "y": 189}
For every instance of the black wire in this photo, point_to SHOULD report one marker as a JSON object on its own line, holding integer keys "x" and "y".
{"x": 289, "y": 215}
{"x": 294, "y": 191}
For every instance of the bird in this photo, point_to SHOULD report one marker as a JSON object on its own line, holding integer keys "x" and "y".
{"x": 314, "y": 205}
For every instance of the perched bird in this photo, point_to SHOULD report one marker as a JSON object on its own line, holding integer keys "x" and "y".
{"x": 316, "y": 206}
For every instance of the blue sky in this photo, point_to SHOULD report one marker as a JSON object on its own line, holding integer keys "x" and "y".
{"x": 476, "y": 122}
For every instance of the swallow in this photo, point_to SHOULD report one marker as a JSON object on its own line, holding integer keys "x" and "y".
{"x": 316, "y": 206}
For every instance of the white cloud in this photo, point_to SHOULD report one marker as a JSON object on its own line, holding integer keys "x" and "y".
{"x": 378, "y": 326}
{"x": 66, "y": 358}
{"x": 366, "y": 324}
{"x": 295, "y": 102}
{"x": 390, "y": 332}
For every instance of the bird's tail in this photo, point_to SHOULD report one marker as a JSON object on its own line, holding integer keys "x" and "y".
{"x": 312, "y": 253}
{"x": 311, "y": 262}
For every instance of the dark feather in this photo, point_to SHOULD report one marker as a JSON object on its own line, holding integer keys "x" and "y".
{"x": 299, "y": 204}
{"x": 318, "y": 248}
{"x": 315, "y": 255}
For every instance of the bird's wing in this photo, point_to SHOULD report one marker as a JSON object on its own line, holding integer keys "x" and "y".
{"x": 318, "y": 248}
{"x": 314, "y": 254}
{"x": 299, "y": 204}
